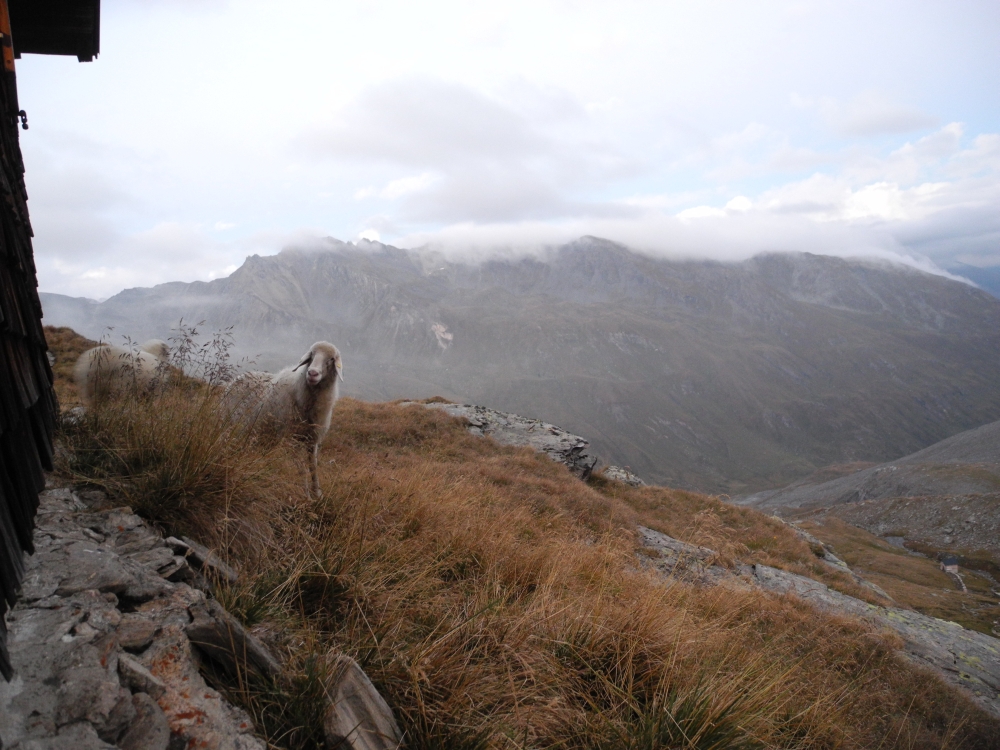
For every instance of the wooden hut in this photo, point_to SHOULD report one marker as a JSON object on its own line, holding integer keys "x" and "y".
{"x": 28, "y": 407}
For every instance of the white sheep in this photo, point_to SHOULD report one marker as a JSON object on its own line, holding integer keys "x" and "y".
{"x": 106, "y": 370}
{"x": 293, "y": 402}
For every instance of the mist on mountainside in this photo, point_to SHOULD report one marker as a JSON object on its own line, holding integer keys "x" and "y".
{"x": 987, "y": 279}
{"x": 720, "y": 377}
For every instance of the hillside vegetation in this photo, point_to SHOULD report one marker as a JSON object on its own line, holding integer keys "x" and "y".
{"x": 498, "y": 602}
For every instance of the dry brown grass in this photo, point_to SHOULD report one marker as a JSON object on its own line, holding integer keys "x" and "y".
{"x": 912, "y": 580}
{"x": 67, "y": 346}
{"x": 734, "y": 532}
{"x": 496, "y": 601}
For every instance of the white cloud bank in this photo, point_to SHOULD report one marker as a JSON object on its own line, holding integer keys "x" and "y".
{"x": 927, "y": 203}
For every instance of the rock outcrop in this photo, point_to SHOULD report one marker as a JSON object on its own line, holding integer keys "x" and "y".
{"x": 623, "y": 474}
{"x": 826, "y": 555}
{"x": 965, "y": 658}
{"x": 513, "y": 429}
{"x": 555, "y": 442}
{"x": 100, "y": 641}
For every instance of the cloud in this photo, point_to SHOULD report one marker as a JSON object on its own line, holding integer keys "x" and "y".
{"x": 722, "y": 236}
{"x": 870, "y": 113}
{"x": 426, "y": 123}
{"x": 589, "y": 116}
{"x": 754, "y": 151}
{"x": 700, "y": 212}
{"x": 728, "y": 238}
{"x": 72, "y": 207}
{"x": 982, "y": 159}
{"x": 399, "y": 187}
{"x": 824, "y": 198}
{"x": 74, "y": 188}
{"x": 967, "y": 234}
{"x": 922, "y": 204}
{"x": 930, "y": 176}
{"x": 481, "y": 158}
{"x": 927, "y": 203}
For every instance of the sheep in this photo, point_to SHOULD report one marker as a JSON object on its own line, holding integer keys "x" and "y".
{"x": 293, "y": 402}
{"x": 106, "y": 370}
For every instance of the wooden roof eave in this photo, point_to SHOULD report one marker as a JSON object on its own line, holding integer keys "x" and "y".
{"x": 56, "y": 27}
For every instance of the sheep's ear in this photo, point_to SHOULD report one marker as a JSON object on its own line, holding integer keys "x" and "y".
{"x": 305, "y": 360}
{"x": 337, "y": 366}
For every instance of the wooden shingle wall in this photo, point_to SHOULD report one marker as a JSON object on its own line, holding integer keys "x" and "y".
{"x": 27, "y": 402}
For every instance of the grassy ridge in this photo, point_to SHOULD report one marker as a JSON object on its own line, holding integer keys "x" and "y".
{"x": 496, "y": 601}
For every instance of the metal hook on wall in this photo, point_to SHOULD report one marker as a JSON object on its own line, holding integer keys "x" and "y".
{"x": 24, "y": 119}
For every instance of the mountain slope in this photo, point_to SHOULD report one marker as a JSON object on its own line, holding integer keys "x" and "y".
{"x": 721, "y": 377}
{"x": 964, "y": 464}
{"x": 987, "y": 278}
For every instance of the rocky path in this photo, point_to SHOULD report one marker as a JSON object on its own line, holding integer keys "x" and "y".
{"x": 109, "y": 636}
{"x": 101, "y": 641}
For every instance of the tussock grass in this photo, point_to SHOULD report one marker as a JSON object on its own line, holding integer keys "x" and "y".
{"x": 66, "y": 346}
{"x": 175, "y": 458}
{"x": 496, "y": 601}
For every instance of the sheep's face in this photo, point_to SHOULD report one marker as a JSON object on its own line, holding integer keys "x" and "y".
{"x": 322, "y": 362}
{"x": 315, "y": 373}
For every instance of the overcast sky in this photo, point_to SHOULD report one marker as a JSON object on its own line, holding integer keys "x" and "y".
{"x": 209, "y": 130}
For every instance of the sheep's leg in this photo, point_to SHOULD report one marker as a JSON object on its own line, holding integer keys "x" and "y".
{"x": 314, "y": 471}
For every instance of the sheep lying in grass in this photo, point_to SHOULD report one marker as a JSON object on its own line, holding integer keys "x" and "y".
{"x": 295, "y": 401}
{"x": 106, "y": 370}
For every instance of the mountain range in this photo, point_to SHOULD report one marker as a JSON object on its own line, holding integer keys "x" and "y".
{"x": 722, "y": 377}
